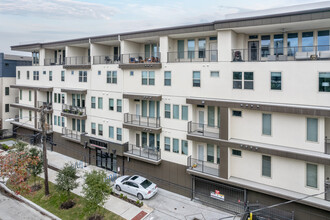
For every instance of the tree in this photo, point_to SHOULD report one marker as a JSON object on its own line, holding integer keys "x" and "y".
{"x": 96, "y": 190}
{"x": 36, "y": 168}
{"x": 66, "y": 179}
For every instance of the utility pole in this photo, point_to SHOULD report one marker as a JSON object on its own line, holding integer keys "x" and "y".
{"x": 44, "y": 153}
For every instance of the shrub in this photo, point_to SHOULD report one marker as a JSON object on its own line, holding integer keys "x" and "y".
{"x": 137, "y": 202}
{"x": 5, "y": 147}
{"x": 121, "y": 195}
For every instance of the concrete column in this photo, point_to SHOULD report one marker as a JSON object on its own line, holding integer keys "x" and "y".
{"x": 36, "y": 106}
{"x": 226, "y": 42}
{"x": 223, "y": 171}
{"x": 224, "y": 125}
{"x": 163, "y": 48}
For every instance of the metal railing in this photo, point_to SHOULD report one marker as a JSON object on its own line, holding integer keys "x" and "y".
{"x": 327, "y": 190}
{"x": 203, "y": 130}
{"x": 71, "y": 134}
{"x": 327, "y": 145}
{"x": 82, "y": 60}
{"x": 192, "y": 56}
{"x": 48, "y": 127}
{"x": 268, "y": 213}
{"x": 47, "y": 105}
{"x": 281, "y": 53}
{"x": 106, "y": 59}
{"x": 75, "y": 110}
{"x": 139, "y": 120}
{"x": 140, "y": 58}
{"x": 203, "y": 166}
{"x": 53, "y": 61}
{"x": 151, "y": 153}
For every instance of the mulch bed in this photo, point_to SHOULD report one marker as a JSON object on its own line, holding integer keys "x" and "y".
{"x": 127, "y": 199}
{"x": 68, "y": 204}
{"x": 36, "y": 187}
{"x": 96, "y": 217}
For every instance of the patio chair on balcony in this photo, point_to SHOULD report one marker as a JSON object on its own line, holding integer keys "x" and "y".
{"x": 107, "y": 59}
{"x": 132, "y": 60}
{"x": 140, "y": 60}
{"x": 237, "y": 56}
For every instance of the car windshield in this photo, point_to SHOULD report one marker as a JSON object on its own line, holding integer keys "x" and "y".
{"x": 125, "y": 179}
{"x": 145, "y": 184}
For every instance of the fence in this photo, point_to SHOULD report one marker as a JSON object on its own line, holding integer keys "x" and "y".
{"x": 142, "y": 121}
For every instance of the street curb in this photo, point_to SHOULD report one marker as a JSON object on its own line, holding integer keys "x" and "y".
{"x": 29, "y": 203}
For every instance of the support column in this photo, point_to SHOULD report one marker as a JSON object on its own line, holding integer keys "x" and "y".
{"x": 224, "y": 123}
{"x": 223, "y": 171}
{"x": 36, "y": 106}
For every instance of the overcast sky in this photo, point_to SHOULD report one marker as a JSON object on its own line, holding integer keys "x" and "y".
{"x": 30, "y": 21}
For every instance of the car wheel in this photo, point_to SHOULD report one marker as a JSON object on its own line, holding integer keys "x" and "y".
{"x": 140, "y": 196}
{"x": 118, "y": 188}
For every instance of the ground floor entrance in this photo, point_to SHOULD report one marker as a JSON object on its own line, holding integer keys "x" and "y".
{"x": 106, "y": 160}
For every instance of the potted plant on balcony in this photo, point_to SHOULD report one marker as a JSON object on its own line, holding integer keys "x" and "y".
{"x": 194, "y": 165}
{"x": 80, "y": 113}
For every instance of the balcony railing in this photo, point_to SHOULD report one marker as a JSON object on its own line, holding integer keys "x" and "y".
{"x": 192, "y": 56}
{"x": 48, "y": 127}
{"x": 71, "y": 134}
{"x": 82, "y": 60}
{"x": 74, "y": 110}
{"x": 153, "y": 122}
{"x": 133, "y": 58}
{"x": 327, "y": 145}
{"x": 203, "y": 166}
{"x": 281, "y": 54}
{"x": 53, "y": 61}
{"x": 151, "y": 153}
{"x": 203, "y": 130}
{"x": 106, "y": 59}
{"x": 47, "y": 105}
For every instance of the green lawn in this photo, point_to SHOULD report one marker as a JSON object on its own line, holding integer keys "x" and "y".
{"x": 54, "y": 201}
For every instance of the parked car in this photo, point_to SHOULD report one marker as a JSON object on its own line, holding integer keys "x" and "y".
{"x": 136, "y": 185}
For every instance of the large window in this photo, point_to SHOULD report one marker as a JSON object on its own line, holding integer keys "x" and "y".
{"x": 167, "y": 141}
{"x": 210, "y": 153}
{"x": 191, "y": 49}
{"x": 119, "y": 107}
{"x": 266, "y": 166}
{"x": 265, "y": 45}
{"x": 324, "y": 81}
{"x": 100, "y": 128}
{"x": 111, "y": 105}
{"x": 62, "y": 76}
{"x": 312, "y": 129}
{"x": 175, "y": 145}
{"x": 82, "y": 76}
{"x": 148, "y": 78}
{"x": 35, "y": 75}
{"x": 176, "y": 111}
{"x": 167, "y": 78}
{"x": 237, "y": 80}
{"x": 184, "y": 147}
{"x": 184, "y": 112}
{"x": 307, "y": 42}
{"x": 152, "y": 109}
{"x": 266, "y": 124}
{"x": 100, "y": 103}
{"x": 167, "y": 110}
{"x": 93, "y": 128}
{"x": 278, "y": 44}
{"x": 119, "y": 135}
{"x": 201, "y": 48}
{"x": 211, "y": 116}
{"x": 323, "y": 40}
{"x": 111, "y": 132}
{"x": 311, "y": 175}
{"x": 292, "y": 43}
{"x": 180, "y": 49}
{"x": 144, "y": 108}
{"x": 276, "y": 80}
{"x": 93, "y": 102}
{"x": 196, "y": 79}
{"x": 112, "y": 77}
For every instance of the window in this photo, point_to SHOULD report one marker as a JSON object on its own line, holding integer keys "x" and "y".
{"x": 21, "y": 114}
{"x": 311, "y": 175}
{"x": 131, "y": 73}
{"x": 111, "y": 132}
{"x": 50, "y": 75}
{"x": 72, "y": 72}
{"x": 323, "y": 40}
{"x": 214, "y": 73}
{"x": 63, "y": 122}
{"x": 278, "y": 44}
{"x": 167, "y": 143}
{"x": 59, "y": 98}
{"x": 82, "y": 76}
{"x": 312, "y": 129}
{"x": 30, "y": 115}
{"x": 73, "y": 124}
{"x": 144, "y": 108}
{"x": 307, "y": 41}
{"x": 237, "y": 80}
{"x": 210, "y": 153}
{"x": 266, "y": 124}
{"x": 176, "y": 111}
{"x": 266, "y": 166}
{"x": 151, "y": 109}
{"x": 196, "y": 79}
{"x": 211, "y": 116}
{"x": 201, "y": 48}
{"x": 82, "y": 125}
{"x": 44, "y": 72}
{"x": 144, "y": 139}
{"x": 191, "y": 49}
{"x": 148, "y": 78}
{"x": 184, "y": 112}
{"x": 119, "y": 108}
{"x": 114, "y": 77}
{"x": 6, "y": 90}
{"x": 99, "y": 72}
{"x": 55, "y": 120}
{"x": 324, "y": 81}
{"x": 30, "y": 95}
{"x": 20, "y": 94}
{"x": 167, "y": 78}
{"x": 63, "y": 98}
{"x": 93, "y": 102}
{"x": 100, "y": 103}
{"x": 27, "y": 74}
{"x": 100, "y": 128}
{"x": 236, "y": 152}
{"x": 184, "y": 147}
{"x": 276, "y": 81}
{"x": 167, "y": 110}
{"x": 58, "y": 120}
{"x": 18, "y": 74}
{"x": 7, "y": 108}
{"x": 62, "y": 76}
{"x": 93, "y": 125}
{"x": 292, "y": 43}
{"x": 180, "y": 49}
{"x": 175, "y": 145}
{"x": 265, "y": 44}
{"x": 111, "y": 105}
{"x": 35, "y": 75}
{"x": 218, "y": 155}
{"x": 237, "y": 113}
{"x": 119, "y": 134}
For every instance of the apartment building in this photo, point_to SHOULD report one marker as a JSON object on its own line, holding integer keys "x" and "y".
{"x": 8, "y": 65}
{"x": 231, "y": 112}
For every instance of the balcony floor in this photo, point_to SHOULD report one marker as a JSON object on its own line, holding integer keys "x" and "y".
{"x": 205, "y": 134}
{"x": 144, "y": 154}
{"x": 142, "y": 123}
{"x": 208, "y": 170}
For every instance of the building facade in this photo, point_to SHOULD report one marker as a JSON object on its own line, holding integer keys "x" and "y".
{"x": 231, "y": 112}
{"x": 8, "y": 65}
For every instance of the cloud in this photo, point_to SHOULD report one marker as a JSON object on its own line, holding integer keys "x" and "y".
{"x": 57, "y": 9}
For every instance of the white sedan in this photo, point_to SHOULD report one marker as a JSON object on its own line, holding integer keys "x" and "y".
{"x": 136, "y": 185}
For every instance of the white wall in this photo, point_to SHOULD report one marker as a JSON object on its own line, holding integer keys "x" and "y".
{"x": 4, "y": 99}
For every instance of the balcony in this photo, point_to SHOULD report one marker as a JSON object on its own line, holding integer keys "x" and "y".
{"x": 45, "y": 105}
{"x": 192, "y": 56}
{"x": 281, "y": 54}
{"x": 48, "y": 127}
{"x": 53, "y": 61}
{"x": 140, "y": 123}
{"x": 147, "y": 154}
{"x": 73, "y": 111}
{"x": 106, "y": 59}
{"x": 71, "y": 135}
{"x": 202, "y": 166}
{"x": 140, "y": 61}
{"x": 80, "y": 62}
{"x": 203, "y": 130}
